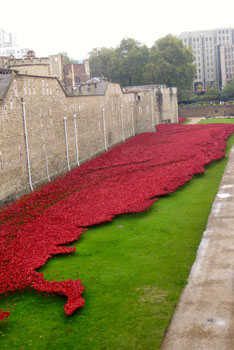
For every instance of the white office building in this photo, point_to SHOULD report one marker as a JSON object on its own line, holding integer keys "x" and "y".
{"x": 206, "y": 46}
{"x": 8, "y": 46}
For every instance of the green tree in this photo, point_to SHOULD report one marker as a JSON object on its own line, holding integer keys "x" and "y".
{"x": 124, "y": 64}
{"x": 186, "y": 96}
{"x": 171, "y": 63}
{"x": 132, "y": 57}
{"x": 228, "y": 91}
{"x": 100, "y": 62}
{"x": 66, "y": 58}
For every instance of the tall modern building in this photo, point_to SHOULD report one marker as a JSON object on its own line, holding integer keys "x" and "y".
{"x": 6, "y": 39}
{"x": 211, "y": 49}
{"x": 8, "y": 46}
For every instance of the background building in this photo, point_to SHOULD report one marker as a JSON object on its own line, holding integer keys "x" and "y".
{"x": 209, "y": 47}
{"x": 227, "y": 63}
{"x": 9, "y": 47}
{"x": 69, "y": 75}
{"x": 74, "y": 74}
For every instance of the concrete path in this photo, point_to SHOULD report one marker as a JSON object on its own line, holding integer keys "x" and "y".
{"x": 194, "y": 120}
{"x": 204, "y": 317}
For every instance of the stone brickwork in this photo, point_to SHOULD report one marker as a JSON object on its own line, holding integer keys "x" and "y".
{"x": 53, "y": 66}
{"x": 210, "y": 110}
{"x": 74, "y": 74}
{"x": 37, "y": 143}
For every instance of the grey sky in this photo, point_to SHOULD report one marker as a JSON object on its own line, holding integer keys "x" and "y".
{"x": 78, "y": 26}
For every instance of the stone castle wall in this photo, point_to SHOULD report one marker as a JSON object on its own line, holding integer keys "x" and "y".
{"x": 209, "y": 110}
{"x": 63, "y": 131}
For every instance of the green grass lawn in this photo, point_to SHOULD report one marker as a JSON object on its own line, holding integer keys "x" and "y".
{"x": 134, "y": 270}
{"x": 187, "y": 121}
{"x": 221, "y": 120}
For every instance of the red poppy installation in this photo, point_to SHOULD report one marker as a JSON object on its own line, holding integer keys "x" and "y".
{"x": 126, "y": 179}
{"x": 182, "y": 120}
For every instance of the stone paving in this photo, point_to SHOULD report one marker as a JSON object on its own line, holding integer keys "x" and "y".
{"x": 204, "y": 317}
{"x": 195, "y": 120}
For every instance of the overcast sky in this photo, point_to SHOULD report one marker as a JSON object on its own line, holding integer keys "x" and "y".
{"x": 76, "y": 27}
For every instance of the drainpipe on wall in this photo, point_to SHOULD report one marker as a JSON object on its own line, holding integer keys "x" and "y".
{"x": 76, "y": 142}
{"x": 47, "y": 168}
{"x": 73, "y": 76}
{"x": 152, "y": 108}
{"x": 26, "y": 144}
{"x": 104, "y": 127}
{"x": 66, "y": 140}
{"x": 133, "y": 123}
{"x": 122, "y": 121}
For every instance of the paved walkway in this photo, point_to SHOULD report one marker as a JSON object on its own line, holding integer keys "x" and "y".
{"x": 204, "y": 317}
{"x": 194, "y": 120}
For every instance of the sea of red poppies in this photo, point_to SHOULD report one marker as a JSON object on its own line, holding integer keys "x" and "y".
{"x": 182, "y": 120}
{"x": 126, "y": 179}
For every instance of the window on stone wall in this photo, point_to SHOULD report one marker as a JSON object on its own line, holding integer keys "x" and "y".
{"x": 77, "y": 79}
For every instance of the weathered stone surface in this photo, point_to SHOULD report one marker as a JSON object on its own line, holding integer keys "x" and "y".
{"x": 46, "y": 105}
{"x": 204, "y": 317}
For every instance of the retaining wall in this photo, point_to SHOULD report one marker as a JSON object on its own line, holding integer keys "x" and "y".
{"x": 214, "y": 111}
{"x": 45, "y": 133}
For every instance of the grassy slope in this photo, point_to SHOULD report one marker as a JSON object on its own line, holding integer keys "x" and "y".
{"x": 187, "y": 121}
{"x": 134, "y": 270}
